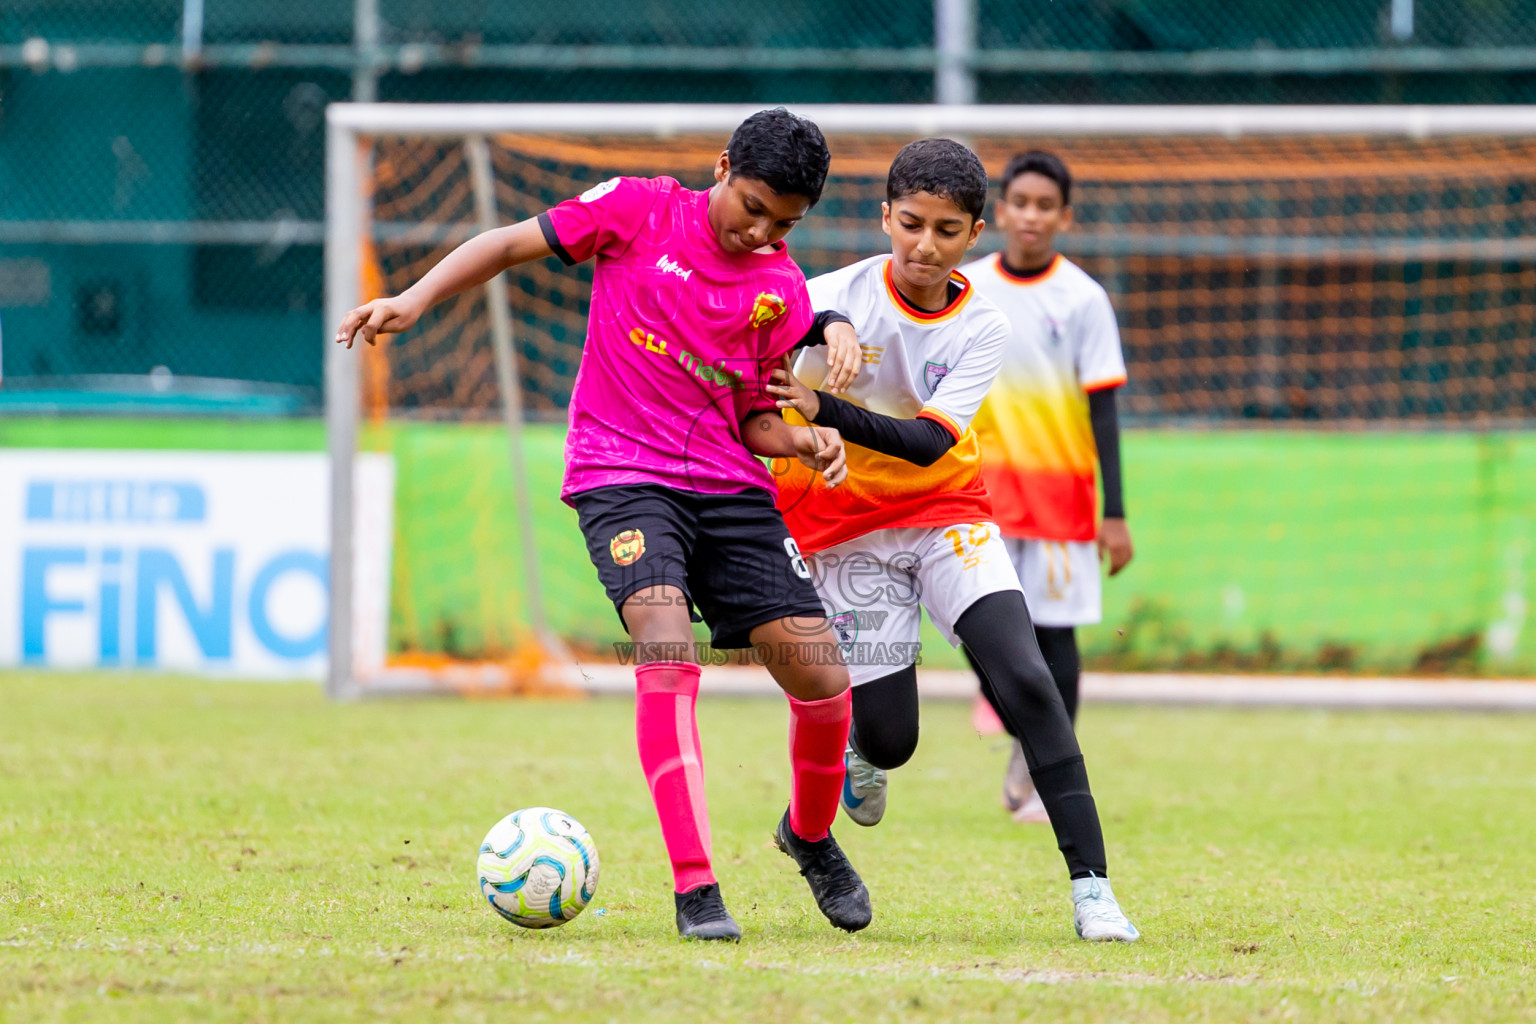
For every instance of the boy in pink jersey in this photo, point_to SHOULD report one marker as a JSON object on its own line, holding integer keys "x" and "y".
{"x": 694, "y": 301}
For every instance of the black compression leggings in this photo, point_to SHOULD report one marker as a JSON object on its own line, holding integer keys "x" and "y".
{"x": 1058, "y": 644}
{"x": 1000, "y": 643}
{"x": 884, "y": 731}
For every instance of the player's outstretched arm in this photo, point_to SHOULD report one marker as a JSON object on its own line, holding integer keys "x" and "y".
{"x": 820, "y": 448}
{"x": 473, "y": 263}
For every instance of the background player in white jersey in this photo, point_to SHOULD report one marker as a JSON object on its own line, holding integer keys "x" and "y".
{"x": 911, "y": 525}
{"x": 1049, "y": 420}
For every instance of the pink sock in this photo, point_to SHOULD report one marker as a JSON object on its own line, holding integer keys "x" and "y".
{"x": 818, "y": 735}
{"x": 668, "y": 735}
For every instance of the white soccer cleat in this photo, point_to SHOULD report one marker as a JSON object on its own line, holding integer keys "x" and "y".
{"x": 1018, "y": 787}
{"x": 863, "y": 790}
{"x": 1096, "y": 915}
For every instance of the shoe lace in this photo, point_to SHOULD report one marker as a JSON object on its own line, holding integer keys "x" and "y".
{"x": 708, "y": 906}
{"x": 828, "y": 860}
{"x": 1097, "y": 906}
{"x": 863, "y": 774}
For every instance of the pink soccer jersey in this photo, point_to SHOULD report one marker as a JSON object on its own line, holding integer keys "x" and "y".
{"x": 681, "y": 339}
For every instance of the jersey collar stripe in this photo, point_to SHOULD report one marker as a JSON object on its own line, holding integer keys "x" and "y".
{"x": 1008, "y": 275}
{"x": 911, "y": 312}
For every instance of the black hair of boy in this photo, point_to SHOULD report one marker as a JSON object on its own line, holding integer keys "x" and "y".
{"x": 783, "y": 151}
{"x": 1038, "y": 161}
{"x": 941, "y": 167}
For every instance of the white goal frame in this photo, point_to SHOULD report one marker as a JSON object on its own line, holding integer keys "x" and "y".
{"x": 347, "y": 123}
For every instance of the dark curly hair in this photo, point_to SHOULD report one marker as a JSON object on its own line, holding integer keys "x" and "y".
{"x": 942, "y": 167}
{"x": 783, "y": 151}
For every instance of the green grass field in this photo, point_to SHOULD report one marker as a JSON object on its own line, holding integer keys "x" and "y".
{"x": 182, "y": 850}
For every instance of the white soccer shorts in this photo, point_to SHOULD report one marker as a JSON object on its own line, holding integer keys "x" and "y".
{"x": 872, "y": 587}
{"x": 1061, "y": 580}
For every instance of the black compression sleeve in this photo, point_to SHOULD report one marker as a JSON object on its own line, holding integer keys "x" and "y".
{"x": 817, "y": 335}
{"x": 885, "y": 716}
{"x": 921, "y": 441}
{"x": 1106, "y": 436}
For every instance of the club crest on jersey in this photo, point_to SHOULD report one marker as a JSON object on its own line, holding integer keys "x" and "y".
{"x": 766, "y": 308}
{"x": 599, "y": 190}
{"x": 627, "y": 547}
{"x": 846, "y": 626}
{"x": 1055, "y": 330}
{"x": 932, "y": 374}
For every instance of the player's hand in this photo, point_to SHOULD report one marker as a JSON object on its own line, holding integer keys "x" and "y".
{"x": 381, "y": 316}
{"x": 844, "y": 357}
{"x": 1115, "y": 544}
{"x": 821, "y": 448}
{"x": 792, "y": 392}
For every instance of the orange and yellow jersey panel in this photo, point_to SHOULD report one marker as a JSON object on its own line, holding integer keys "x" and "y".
{"x": 1037, "y": 445}
{"x": 938, "y": 365}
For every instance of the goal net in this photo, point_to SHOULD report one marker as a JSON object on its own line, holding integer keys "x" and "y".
{"x": 1308, "y": 270}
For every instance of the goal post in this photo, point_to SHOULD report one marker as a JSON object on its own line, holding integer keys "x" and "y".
{"x": 343, "y": 287}
{"x": 1297, "y": 264}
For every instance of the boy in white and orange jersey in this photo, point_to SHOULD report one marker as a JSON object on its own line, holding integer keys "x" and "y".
{"x": 911, "y": 527}
{"x": 1048, "y": 425}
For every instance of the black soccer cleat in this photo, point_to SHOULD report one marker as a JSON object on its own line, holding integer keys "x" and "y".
{"x": 701, "y": 914}
{"x": 839, "y": 891}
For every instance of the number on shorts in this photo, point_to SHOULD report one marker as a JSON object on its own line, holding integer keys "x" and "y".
{"x": 796, "y": 559}
{"x": 978, "y": 535}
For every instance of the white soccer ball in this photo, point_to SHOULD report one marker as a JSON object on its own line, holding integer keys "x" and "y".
{"x": 537, "y": 867}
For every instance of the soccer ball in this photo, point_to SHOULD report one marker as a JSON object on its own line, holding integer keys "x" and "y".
{"x": 537, "y": 867}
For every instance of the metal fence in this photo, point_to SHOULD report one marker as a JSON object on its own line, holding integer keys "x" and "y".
{"x": 161, "y": 160}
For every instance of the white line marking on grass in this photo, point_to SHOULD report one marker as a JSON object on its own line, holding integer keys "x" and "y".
{"x": 576, "y": 958}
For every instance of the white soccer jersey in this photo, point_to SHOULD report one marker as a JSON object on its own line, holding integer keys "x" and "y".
{"x": 1040, "y": 461}
{"x": 937, "y": 366}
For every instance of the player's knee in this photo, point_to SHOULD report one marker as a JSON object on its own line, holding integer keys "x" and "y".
{"x": 802, "y": 656}
{"x": 886, "y": 743}
{"x": 885, "y": 719}
{"x": 822, "y": 682}
{"x": 658, "y": 615}
{"x": 1025, "y": 687}
{"x": 808, "y": 681}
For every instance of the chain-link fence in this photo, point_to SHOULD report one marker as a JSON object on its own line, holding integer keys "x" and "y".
{"x": 1060, "y": 25}
{"x": 837, "y": 24}
{"x": 161, "y": 161}
{"x": 1190, "y": 25}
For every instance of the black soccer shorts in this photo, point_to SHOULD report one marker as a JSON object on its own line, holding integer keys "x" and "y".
{"x": 730, "y": 554}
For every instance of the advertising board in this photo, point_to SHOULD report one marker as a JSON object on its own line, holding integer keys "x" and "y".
{"x": 214, "y": 563}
